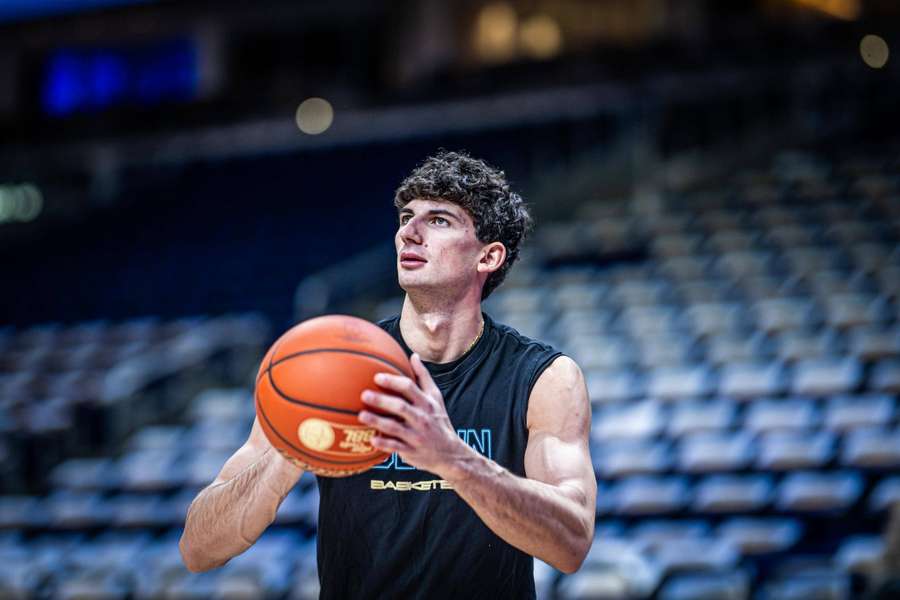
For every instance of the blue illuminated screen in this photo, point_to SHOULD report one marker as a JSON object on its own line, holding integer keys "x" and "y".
{"x": 93, "y": 79}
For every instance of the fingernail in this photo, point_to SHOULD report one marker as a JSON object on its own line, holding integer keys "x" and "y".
{"x": 366, "y": 395}
{"x": 379, "y": 378}
{"x": 363, "y": 415}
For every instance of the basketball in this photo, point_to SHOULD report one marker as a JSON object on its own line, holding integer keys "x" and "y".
{"x": 308, "y": 392}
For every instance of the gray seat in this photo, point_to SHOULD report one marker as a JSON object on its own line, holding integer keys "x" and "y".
{"x": 764, "y": 535}
{"x": 714, "y": 452}
{"x": 870, "y": 343}
{"x": 606, "y": 386}
{"x": 694, "y": 417}
{"x": 680, "y": 382}
{"x": 886, "y": 376}
{"x": 848, "y": 310}
{"x": 819, "y": 492}
{"x": 824, "y": 377}
{"x": 844, "y": 413}
{"x": 752, "y": 380}
{"x": 794, "y": 450}
{"x": 649, "y": 495}
{"x": 793, "y": 345}
{"x": 778, "y": 314}
{"x": 885, "y": 494}
{"x": 769, "y": 415}
{"x": 639, "y": 420}
{"x": 715, "y": 318}
{"x": 722, "y": 349}
{"x": 620, "y": 459}
{"x": 732, "y": 494}
{"x": 725, "y": 585}
{"x": 873, "y": 448}
{"x": 860, "y": 554}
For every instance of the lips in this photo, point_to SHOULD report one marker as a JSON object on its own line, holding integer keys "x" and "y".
{"x": 411, "y": 257}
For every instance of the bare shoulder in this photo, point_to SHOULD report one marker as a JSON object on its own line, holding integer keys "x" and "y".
{"x": 559, "y": 399}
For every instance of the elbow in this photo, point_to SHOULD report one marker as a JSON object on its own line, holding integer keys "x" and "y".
{"x": 193, "y": 560}
{"x": 574, "y": 558}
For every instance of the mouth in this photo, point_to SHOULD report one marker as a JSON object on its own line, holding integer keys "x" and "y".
{"x": 410, "y": 261}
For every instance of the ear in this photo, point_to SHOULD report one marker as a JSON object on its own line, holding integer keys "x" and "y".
{"x": 492, "y": 257}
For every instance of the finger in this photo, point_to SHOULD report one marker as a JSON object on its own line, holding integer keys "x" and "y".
{"x": 426, "y": 381}
{"x": 386, "y": 425}
{"x": 386, "y": 444}
{"x": 403, "y": 385}
{"x": 389, "y": 404}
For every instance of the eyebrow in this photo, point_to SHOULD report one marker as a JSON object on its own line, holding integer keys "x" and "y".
{"x": 432, "y": 212}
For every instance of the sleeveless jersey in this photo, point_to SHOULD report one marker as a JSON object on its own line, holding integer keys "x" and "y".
{"x": 399, "y": 532}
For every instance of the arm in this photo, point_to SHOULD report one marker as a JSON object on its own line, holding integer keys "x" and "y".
{"x": 230, "y": 514}
{"x": 549, "y": 514}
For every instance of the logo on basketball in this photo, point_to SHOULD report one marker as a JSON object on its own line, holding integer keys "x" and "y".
{"x": 316, "y": 434}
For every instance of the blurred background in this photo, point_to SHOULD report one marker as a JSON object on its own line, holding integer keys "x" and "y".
{"x": 717, "y": 191}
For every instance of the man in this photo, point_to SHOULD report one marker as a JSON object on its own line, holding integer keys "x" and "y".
{"x": 490, "y": 463}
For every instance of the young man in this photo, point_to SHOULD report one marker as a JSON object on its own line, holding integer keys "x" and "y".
{"x": 490, "y": 463}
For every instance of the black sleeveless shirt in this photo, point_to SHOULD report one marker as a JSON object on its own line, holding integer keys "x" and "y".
{"x": 398, "y": 532}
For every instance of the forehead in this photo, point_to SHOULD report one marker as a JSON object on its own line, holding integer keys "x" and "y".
{"x": 421, "y": 205}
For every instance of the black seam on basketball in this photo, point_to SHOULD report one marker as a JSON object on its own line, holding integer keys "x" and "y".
{"x": 273, "y": 362}
{"x": 344, "y": 411}
{"x": 265, "y": 417}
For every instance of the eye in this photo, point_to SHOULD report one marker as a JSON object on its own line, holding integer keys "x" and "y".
{"x": 404, "y": 218}
{"x": 440, "y": 221}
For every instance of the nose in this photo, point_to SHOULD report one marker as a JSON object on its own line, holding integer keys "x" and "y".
{"x": 410, "y": 231}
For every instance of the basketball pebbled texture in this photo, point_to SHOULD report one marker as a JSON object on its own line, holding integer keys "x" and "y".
{"x": 308, "y": 392}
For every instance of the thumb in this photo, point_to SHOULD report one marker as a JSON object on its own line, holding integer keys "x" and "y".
{"x": 423, "y": 377}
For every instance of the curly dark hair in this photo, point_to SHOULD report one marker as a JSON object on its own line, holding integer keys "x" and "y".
{"x": 500, "y": 215}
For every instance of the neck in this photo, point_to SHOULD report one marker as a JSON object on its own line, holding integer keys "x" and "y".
{"x": 440, "y": 332}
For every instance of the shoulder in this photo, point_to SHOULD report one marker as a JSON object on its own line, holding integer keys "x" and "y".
{"x": 512, "y": 337}
{"x": 389, "y": 324}
{"x": 559, "y": 396}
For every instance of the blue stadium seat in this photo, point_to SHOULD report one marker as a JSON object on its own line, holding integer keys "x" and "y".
{"x": 848, "y": 310}
{"x": 886, "y": 376}
{"x": 638, "y": 420}
{"x": 655, "y": 532}
{"x": 824, "y": 377}
{"x": 885, "y": 494}
{"x": 844, "y": 413}
{"x": 140, "y": 510}
{"x": 672, "y": 383}
{"x": 612, "y": 569}
{"x": 620, "y": 459}
{"x": 716, "y": 318}
{"x": 600, "y": 352}
{"x": 694, "y": 417}
{"x": 714, "y": 452}
{"x": 732, "y": 494}
{"x": 85, "y": 474}
{"x": 806, "y": 491}
{"x": 150, "y": 470}
{"x": 797, "y": 345}
{"x": 725, "y": 585}
{"x": 724, "y": 348}
{"x": 695, "y": 554}
{"x": 21, "y": 511}
{"x": 762, "y": 535}
{"x": 606, "y": 386}
{"x": 795, "y": 450}
{"x": 648, "y": 495}
{"x": 752, "y": 380}
{"x": 871, "y": 448}
{"x": 860, "y": 555}
{"x": 779, "y": 314}
{"x": 824, "y": 584}
{"x": 765, "y": 415}
{"x": 871, "y": 343}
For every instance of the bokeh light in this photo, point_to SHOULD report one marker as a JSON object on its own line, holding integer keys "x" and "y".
{"x": 314, "y": 116}
{"x": 540, "y": 37}
{"x": 495, "y": 32}
{"x": 21, "y": 203}
{"x": 874, "y": 51}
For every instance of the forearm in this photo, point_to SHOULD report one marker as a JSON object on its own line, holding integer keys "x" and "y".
{"x": 545, "y": 521}
{"x": 227, "y": 518}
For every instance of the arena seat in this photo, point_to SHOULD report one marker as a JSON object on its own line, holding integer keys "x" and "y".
{"x": 732, "y": 494}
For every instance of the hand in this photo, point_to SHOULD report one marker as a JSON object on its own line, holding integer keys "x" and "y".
{"x": 419, "y": 427}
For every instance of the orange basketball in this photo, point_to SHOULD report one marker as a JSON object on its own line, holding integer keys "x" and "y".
{"x": 308, "y": 392}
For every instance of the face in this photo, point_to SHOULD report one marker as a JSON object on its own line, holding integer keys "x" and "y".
{"x": 436, "y": 247}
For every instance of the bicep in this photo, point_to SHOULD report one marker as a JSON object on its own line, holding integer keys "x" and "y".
{"x": 250, "y": 452}
{"x": 559, "y": 420}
